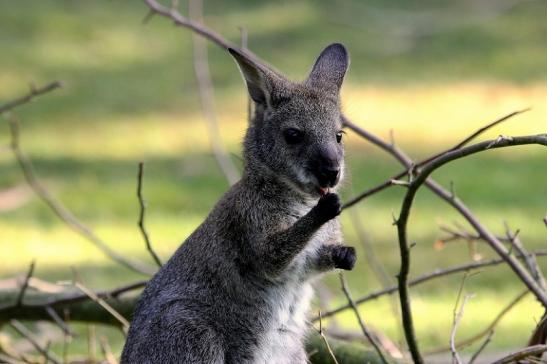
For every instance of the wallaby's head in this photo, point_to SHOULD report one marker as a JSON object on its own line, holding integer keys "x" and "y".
{"x": 296, "y": 132}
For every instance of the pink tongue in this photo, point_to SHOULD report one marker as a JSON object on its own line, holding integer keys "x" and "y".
{"x": 323, "y": 191}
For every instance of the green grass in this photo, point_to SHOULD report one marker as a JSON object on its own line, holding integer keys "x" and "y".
{"x": 130, "y": 95}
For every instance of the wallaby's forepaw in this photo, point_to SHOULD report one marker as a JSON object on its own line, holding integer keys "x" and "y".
{"x": 328, "y": 207}
{"x": 344, "y": 257}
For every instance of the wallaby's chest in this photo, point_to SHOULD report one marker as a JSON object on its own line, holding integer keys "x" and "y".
{"x": 284, "y": 331}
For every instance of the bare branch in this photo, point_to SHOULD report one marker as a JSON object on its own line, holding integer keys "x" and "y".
{"x": 60, "y": 210}
{"x": 34, "y": 92}
{"x": 482, "y": 347}
{"x": 107, "y": 351}
{"x": 488, "y": 329}
{"x": 522, "y": 354}
{"x": 59, "y": 321}
{"x": 94, "y": 297}
{"x": 148, "y": 17}
{"x": 142, "y": 211}
{"x": 373, "y": 262}
{"x": 393, "y": 150}
{"x": 364, "y": 328}
{"x": 453, "y": 234}
{"x": 529, "y": 260}
{"x": 322, "y": 334}
{"x": 24, "y": 332}
{"x": 402, "y": 221}
{"x": 24, "y": 286}
{"x": 422, "y": 279}
{"x": 540, "y": 139}
{"x": 182, "y": 21}
{"x": 91, "y": 343}
{"x": 205, "y": 86}
{"x": 457, "y": 316}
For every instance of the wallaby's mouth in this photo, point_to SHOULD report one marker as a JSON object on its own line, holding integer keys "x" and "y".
{"x": 323, "y": 190}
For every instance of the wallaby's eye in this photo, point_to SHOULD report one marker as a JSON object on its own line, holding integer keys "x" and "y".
{"x": 293, "y": 136}
{"x": 339, "y": 136}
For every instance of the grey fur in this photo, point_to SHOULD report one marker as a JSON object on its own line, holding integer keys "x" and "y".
{"x": 238, "y": 289}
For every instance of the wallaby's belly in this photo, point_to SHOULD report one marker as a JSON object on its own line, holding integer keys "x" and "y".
{"x": 282, "y": 341}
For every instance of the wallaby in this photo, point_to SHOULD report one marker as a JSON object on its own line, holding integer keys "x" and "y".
{"x": 238, "y": 289}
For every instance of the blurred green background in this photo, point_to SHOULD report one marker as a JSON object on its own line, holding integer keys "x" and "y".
{"x": 430, "y": 71}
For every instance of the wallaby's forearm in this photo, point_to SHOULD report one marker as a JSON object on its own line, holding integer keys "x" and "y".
{"x": 277, "y": 251}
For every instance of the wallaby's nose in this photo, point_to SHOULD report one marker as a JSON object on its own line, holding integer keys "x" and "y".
{"x": 328, "y": 176}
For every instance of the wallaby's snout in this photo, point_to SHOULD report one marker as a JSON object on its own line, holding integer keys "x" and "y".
{"x": 327, "y": 168}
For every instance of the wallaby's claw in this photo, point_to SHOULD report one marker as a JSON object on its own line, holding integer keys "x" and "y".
{"x": 329, "y": 206}
{"x": 344, "y": 257}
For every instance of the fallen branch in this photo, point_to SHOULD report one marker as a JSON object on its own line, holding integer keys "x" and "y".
{"x": 77, "y": 303}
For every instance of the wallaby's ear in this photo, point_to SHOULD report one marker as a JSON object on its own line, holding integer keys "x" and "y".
{"x": 330, "y": 68}
{"x": 259, "y": 79}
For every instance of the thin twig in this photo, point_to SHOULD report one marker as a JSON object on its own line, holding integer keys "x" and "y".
{"x": 66, "y": 338}
{"x": 487, "y": 329}
{"x": 482, "y": 347}
{"x": 24, "y": 286}
{"x": 59, "y": 321}
{"x": 182, "y": 21}
{"x": 24, "y": 332}
{"x": 529, "y": 260}
{"x": 34, "y": 92}
{"x": 457, "y": 320}
{"x": 107, "y": 351}
{"x": 364, "y": 328}
{"x": 60, "y": 210}
{"x": 142, "y": 211}
{"x": 457, "y": 316}
{"x": 439, "y": 273}
{"x": 522, "y": 354}
{"x": 205, "y": 86}
{"x": 91, "y": 343}
{"x": 94, "y": 297}
{"x": 322, "y": 334}
{"x": 373, "y": 262}
{"x": 46, "y": 349}
{"x": 462, "y": 234}
{"x": 244, "y": 35}
{"x": 392, "y": 149}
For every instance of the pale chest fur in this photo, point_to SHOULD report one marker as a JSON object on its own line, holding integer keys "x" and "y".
{"x": 282, "y": 341}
